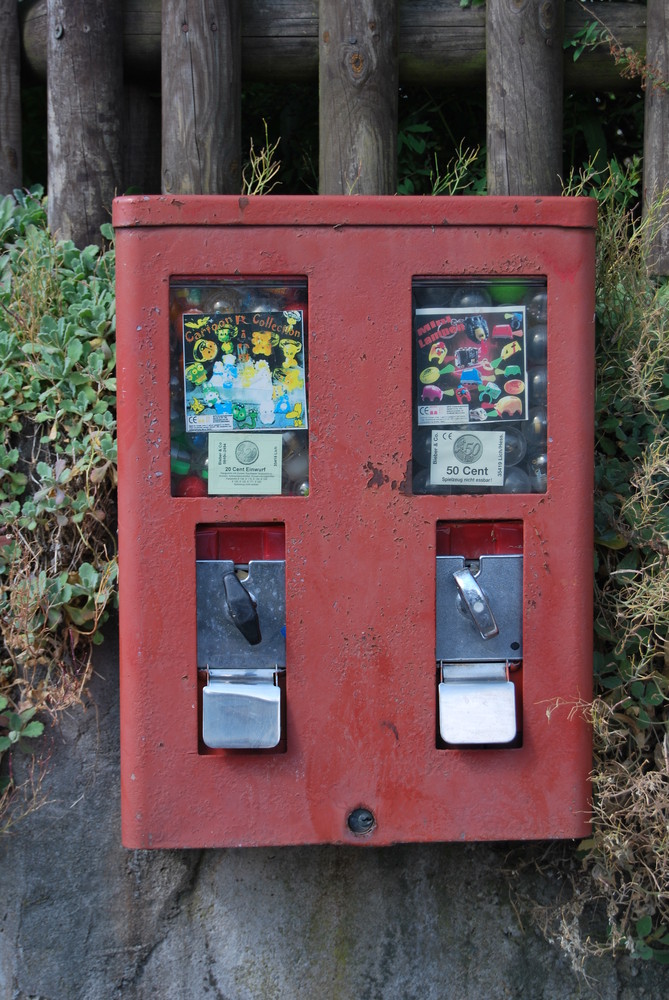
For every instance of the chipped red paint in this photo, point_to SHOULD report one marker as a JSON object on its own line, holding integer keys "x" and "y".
{"x": 360, "y": 549}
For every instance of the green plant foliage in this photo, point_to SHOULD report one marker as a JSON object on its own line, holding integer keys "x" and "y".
{"x": 628, "y": 852}
{"x": 57, "y": 464}
{"x": 429, "y": 135}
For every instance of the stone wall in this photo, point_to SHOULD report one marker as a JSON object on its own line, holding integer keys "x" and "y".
{"x": 85, "y": 919}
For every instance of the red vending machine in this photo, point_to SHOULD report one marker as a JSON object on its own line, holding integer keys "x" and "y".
{"x": 355, "y": 518}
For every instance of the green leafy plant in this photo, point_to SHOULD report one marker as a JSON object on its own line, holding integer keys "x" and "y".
{"x": 57, "y": 466}
{"x": 631, "y": 64}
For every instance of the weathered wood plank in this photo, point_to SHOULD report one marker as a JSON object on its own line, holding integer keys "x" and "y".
{"x": 524, "y": 96}
{"x": 358, "y": 94}
{"x": 201, "y": 96}
{"x": 84, "y": 104}
{"x": 440, "y": 43}
{"x": 10, "y": 97}
{"x": 656, "y": 131}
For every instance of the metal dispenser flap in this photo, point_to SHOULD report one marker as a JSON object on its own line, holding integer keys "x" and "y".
{"x": 459, "y": 634}
{"x": 476, "y": 704}
{"x": 219, "y": 641}
{"x": 238, "y": 715}
{"x": 241, "y": 703}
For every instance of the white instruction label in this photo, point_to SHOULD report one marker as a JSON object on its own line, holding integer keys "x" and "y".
{"x": 245, "y": 464}
{"x": 467, "y": 458}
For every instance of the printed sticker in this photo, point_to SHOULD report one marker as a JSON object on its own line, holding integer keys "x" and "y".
{"x": 244, "y": 372}
{"x": 470, "y": 366}
{"x": 244, "y": 464}
{"x": 467, "y": 458}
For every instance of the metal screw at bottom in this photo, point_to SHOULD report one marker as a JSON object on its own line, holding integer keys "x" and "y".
{"x": 361, "y": 821}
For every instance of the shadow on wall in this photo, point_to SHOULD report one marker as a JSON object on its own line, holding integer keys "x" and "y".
{"x": 83, "y": 918}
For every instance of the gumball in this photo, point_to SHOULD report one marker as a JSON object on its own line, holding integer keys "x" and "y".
{"x": 537, "y": 385}
{"x": 537, "y": 307}
{"x": 191, "y": 486}
{"x": 539, "y": 472}
{"x": 537, "y": 344}
{"x": 516, "y": 481}
{"x": 535, "y": 430}
{"x": 471, "y": 298}
{"x": 508, "y": 292}
{"x": 515, "y": 446}
{"x": 296, "y": 467}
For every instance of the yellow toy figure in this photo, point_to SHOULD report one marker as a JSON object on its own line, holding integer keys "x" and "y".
{"x": 262, "y": 342}
{"x": 290, "y": 349}
{"x": 204, "y": 350}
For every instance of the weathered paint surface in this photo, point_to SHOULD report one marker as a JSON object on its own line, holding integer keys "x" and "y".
{"x": 360, "y": 549}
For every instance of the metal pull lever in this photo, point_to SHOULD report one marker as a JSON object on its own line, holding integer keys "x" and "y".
{"x": 476, "y": 603}
{"x": 242, "y": 608}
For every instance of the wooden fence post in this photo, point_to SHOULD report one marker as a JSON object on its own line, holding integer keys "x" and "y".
{"x": 84, "y": 102}
{"x": 656, "y": 130}
{"x": 524, "y": 95}
{"x": 201, "y": 96}
{"x": 10, "y": 97}
{"x": 358, "y": 76}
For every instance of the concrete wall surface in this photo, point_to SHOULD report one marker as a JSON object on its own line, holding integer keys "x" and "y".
{"x": 84, "y": 919}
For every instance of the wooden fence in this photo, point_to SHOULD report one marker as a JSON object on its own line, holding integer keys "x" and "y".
{"x": 101, "y": 60}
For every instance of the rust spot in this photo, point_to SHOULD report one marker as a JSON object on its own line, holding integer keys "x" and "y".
{"x": 372, "y": 25}
{"x": 377, "y": 477}
{"x": 405, "y": 487}
{"x": 243, "y": 202}
{"x": 357, "y": 63}
{"x": 326, "y": 37}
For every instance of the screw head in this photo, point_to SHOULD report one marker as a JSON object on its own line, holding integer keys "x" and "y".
{"x": 361, "y": 821}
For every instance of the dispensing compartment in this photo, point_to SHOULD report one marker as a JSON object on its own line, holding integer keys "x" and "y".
{"x": 480, "y": 382}
{"x": 241, "y": 637}
{"x": 238, "y": 387}
{"x": 479, "y": 634}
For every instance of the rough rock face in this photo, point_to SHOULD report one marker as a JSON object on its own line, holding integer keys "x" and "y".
{"x": 85, "y": 919}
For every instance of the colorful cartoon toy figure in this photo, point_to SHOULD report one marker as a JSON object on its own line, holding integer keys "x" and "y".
{"x": 478, "y": 414}
{"x": 287, "y": 381}
{"x": 225, "y": 372}
{"x": 490, "y": 391}
{"x": 290, "y": 350}
{"x": 476, "y": 328}
{"x": 267, "y": 413}
{"x": 466, "y": 356}
{"x": 225, "y": 335}
{"x": 432, "y": 394}
{"x": 196, "y": 373}
{"x": 242, "y": 417}
{"x": 463, "y": 395}
{"x": 509, "y": 406}
{"x": 296, "y": 415}
{"x": 204, "y": 350}
{"x": 283, "y": 404}
{"x": 262, "y": 342}
{"x": 503, "y": 330}
{"x": 509, "y": 350}
{"x": 509, "y": 371}
{"x": 438, "y": 351}
{"x": 196, "y": 405}
{"x": 210, "y": 398}
{"x": 470, "y": 376}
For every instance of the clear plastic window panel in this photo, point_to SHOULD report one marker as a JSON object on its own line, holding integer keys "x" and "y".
{"x": 239, "y": 387}
{"x": 480, "y": 380}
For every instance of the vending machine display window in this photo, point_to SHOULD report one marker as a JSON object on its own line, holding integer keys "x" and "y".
{"x": 480, "y": 385}
{"x": 238, "y": 387}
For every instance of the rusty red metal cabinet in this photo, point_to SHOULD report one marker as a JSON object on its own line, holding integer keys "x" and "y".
{"x": 355, "y": 518}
